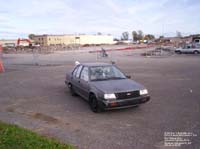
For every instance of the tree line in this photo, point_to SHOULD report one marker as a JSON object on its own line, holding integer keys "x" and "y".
{"x": 137, "y": 35}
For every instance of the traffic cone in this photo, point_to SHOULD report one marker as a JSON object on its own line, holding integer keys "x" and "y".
{"x": 1, "y": 67}
{"x": 1, "y": 63}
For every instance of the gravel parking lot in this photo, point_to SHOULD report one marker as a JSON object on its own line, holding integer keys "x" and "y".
{"x": 35, "y": 97}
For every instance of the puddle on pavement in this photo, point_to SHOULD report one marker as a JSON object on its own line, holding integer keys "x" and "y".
{"x": 44, "y": 117}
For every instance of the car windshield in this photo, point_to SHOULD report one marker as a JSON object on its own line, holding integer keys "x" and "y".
{"x": 186, "y": 46}
{"x": 98, "y": 73}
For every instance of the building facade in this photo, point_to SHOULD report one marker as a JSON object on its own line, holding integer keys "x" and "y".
{"x": 8, "y": 42}
{"x": 47, "y": 40}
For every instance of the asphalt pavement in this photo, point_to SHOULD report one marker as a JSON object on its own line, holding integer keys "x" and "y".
{"x": 35, "y": 97}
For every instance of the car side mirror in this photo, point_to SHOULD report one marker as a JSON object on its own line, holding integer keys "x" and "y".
{"x": 128, "y": 77}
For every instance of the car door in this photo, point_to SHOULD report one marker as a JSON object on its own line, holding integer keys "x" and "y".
{"x": 76, "y": 78}
{"x": 84, "y": 83}
{"x": 188, "y": 49}
{"x": 184, "y": 49}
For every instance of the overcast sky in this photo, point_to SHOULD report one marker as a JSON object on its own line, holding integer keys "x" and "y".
{"x": 18, "y": 18}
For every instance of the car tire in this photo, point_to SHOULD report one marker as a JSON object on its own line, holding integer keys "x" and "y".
{"x": 94, "y": 104}
{"x": 178, "y": 52}
{"x": 71, "y": 88}
{"x": 196, "y": 52}
{"x": 137, "y": 106}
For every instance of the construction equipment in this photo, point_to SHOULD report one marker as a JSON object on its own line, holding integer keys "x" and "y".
{"x": 1, "y": 67}
{"x": 1, "y": 62}
{"x": 24, "y": 43}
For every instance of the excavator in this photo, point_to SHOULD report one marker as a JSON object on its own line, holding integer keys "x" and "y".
{"x": 24, "y": 43}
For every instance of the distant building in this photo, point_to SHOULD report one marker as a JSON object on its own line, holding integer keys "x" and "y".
{"x": 47, "y": 40}
{"x": 8, "y": 42}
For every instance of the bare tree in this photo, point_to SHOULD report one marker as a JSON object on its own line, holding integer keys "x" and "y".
{"x": 134, "y": 35}
{"x": 125, "y": 36}
{"x": 140, "y": 35}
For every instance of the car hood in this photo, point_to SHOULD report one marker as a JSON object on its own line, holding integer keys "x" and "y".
{"x": 179, "y": 48}
{"x": 114, "y": 86}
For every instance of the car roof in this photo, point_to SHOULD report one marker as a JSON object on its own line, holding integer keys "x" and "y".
{"x": 95, "y": 64}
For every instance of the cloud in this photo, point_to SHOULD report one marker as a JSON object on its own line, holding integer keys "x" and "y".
{"x": 92, "y": 16}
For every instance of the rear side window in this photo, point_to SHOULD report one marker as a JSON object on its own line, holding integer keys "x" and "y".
{"x": 84, "y": 74}
{"x": 78, "y": 71}
{"x": 75, "y": 70}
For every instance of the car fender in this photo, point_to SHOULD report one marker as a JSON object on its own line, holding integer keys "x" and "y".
{"x": 98, "y": 93}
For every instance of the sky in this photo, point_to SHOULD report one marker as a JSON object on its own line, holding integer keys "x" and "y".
{"x": 18, "y": 18}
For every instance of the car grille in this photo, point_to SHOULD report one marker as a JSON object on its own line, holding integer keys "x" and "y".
{"x": 127, "y": 95}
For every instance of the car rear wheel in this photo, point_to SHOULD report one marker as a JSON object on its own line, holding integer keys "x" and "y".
{"x": 94, "y": 104}
{"x": 71, "y": 88}
{"x": 196, "y": 52}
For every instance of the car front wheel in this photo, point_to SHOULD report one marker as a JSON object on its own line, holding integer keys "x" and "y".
{"x": 178, "y": 52}
{"x": 94, "y": 104}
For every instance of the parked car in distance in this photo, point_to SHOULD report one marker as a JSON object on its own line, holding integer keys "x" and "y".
{"x": 189, "y": 48}
{"x": 105, "y": 87}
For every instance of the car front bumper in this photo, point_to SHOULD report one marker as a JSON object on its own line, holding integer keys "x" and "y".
{"x": 123, "y": 103}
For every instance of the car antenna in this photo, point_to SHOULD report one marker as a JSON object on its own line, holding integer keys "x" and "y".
{"x": 77, "y": 63}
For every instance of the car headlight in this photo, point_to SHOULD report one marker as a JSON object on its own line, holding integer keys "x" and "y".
{"x": 143, "y": 92}
{"x": 109, "y": 96}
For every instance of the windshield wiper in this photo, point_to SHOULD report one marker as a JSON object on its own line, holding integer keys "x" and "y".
{"x": 100, "y": 79}
{"x": 110, "y": 78}
{"x": 115, "y": 78}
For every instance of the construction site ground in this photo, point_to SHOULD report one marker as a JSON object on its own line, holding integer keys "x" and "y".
{"x": 33, "y": 95}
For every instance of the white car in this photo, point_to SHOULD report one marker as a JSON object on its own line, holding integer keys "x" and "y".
{"x": 188, "y": 49}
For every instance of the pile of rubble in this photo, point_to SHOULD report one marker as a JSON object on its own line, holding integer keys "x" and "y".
{"x": 40, "y": 50}
{"x": 160, "y": 51}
